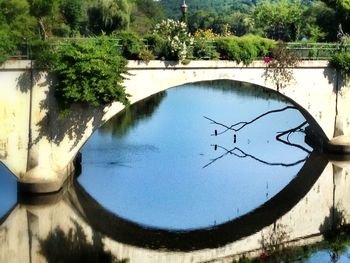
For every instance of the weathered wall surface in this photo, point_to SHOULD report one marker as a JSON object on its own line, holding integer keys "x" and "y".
{"x": 52, "y": 143}
{"x": 14, "y": 115}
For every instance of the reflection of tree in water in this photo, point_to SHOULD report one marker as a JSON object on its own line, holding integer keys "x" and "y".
{"x": 336, "y": 232}
{"x": 237, "y": 152}
{"x": 73, "y": 247}
{"x": 120, "y": 124}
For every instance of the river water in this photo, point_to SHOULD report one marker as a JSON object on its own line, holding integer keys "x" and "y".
{"x": 198, "y": 168}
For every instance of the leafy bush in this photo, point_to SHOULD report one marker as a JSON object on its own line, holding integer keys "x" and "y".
{"x": 61, "y": 30}
{"x": 146, "y": 55}
{"x": 7, "y": 46}
{"x": 243, "y": 49}
{"x": 341, "y": 61}
{"x": 177, "y": 39}
{"x": 204, "y": 49}
{"x": 130, "y": 43}
{"x": 228, "y": 49}
{"x": 156, "y": 44}
{"x": 263, "y": 45}
{"x": 87, "y": 71}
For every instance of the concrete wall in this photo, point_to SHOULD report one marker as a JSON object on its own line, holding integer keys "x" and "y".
{"x": 52, "y": 143}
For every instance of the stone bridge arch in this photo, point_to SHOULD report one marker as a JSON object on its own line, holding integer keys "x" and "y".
{"x": 47, "y": 145}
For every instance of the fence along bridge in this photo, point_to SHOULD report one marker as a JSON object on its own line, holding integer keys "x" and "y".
{"x": 39, "y": 148}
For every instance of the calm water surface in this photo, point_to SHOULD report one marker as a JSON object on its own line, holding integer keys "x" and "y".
{"x": 162, "y": 169}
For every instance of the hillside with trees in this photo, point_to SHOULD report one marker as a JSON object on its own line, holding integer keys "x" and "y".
{"x": 287, "y": 20}
{"x": 26, "y": 20}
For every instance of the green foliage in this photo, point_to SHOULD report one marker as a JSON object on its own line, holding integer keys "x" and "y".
{"x": 342, "y": 11}
{"x": 61, "y": 30}
{"x": 130, "y": 44}
{"x": 281, "y": 20}
{"x": 177, "y": 39}
{"x": 145, "y": 15}
{"x": 156, "y": 44}
{"x": 321, "y": 23}
{"x": 341, "y": 61}
{"x": 72, "y": 12}
{"x": 7, "y": 46}
{"x": 243, "y": 49}
{"x": 88, "y": 71}
{"x": 146, "y": 55}
{"x": 109, "y": 15}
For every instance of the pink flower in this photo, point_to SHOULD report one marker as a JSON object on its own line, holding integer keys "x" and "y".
{"x": 264, "y": 256}
{"x": 267, "y": 60}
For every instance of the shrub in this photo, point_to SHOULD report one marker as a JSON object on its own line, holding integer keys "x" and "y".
{"x": 61, "y": 30}
{"x": 243, "y": 49}
{"x": 341, "y": 61}
{"x": 7, "y": 46}
{"x": 177, "y": 39}
{"x": 87, "y": 71}
{"x": 146, "y": 55}
{"x": 130, "y": 44}
{"x": 156, "y": 44}
{"x": 228, "y": 49}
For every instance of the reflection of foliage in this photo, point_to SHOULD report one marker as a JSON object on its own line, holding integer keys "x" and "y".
{"x": 279, "y": 69}
{"x": 336, "y": 232}
{"x": 120, "y": 124}
{"x": 337, "y": 239}
{"x": 74, "y": 247}
{"x": 273, "y": 243}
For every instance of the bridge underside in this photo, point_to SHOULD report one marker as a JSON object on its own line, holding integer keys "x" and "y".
{"x": 40, "y": 148}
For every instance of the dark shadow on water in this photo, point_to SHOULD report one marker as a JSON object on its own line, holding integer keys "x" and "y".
{"x": 74, "y": 247}
{"x": 125, "y": 231}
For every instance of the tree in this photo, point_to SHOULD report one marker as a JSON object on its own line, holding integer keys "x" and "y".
{"x": 321, "y": 23}
{"x": 88, "y": 71}
{"x": 43, "y": 10}
{"x": 342, "y": 11}
{"x": 281, "y": 20}
{"x": 279, "y": 68}
{"x": 16, "y": 26}
{"x": 72, "y": 12}
{"x": 144, "y": 15}
{"x": 201, "y": 20}
{"x": 109, "y": 15}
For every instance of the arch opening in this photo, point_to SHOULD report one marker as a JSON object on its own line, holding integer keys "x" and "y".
{"x": 130, "y": 163}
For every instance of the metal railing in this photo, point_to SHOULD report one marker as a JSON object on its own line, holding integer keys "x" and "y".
{"x": 207, "y": 50}
{"x": 313, "y": 51}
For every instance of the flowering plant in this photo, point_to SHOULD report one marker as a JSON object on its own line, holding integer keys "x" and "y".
{"x": 177, "y": 38}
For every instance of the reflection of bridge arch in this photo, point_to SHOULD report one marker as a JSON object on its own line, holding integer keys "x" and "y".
{"x": 131, "y": 233}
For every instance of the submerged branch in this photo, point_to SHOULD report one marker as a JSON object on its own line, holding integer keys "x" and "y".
{"x": 289, "y": 132}
{"x": 242, "y": 124}
{"x": 241, "y": 154}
